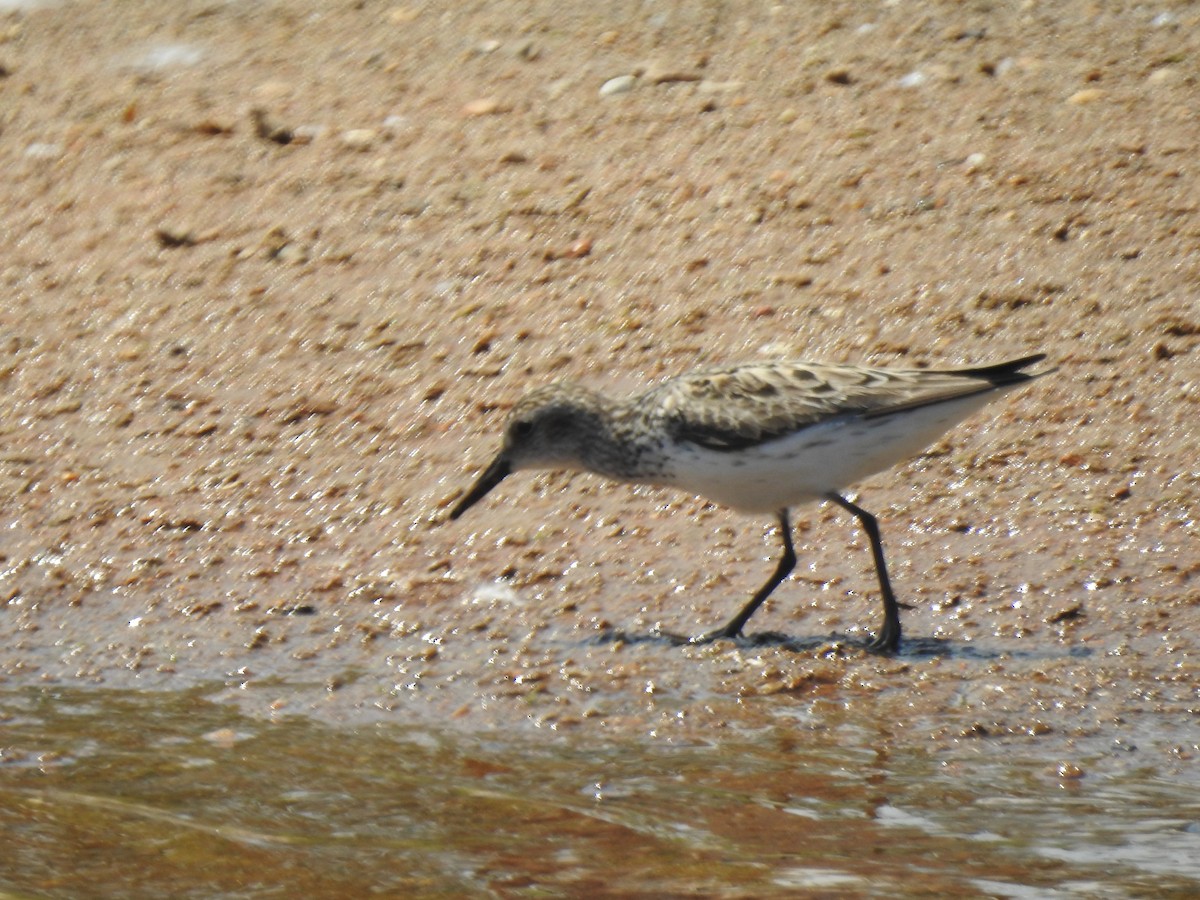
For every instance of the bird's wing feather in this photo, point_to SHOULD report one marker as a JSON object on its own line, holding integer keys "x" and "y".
{"x": 735, "y": 407}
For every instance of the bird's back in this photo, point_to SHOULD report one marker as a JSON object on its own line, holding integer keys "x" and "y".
{"x": 764, "y": 436}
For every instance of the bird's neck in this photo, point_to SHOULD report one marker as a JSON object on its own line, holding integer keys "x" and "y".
{"x": 621, "y": 449}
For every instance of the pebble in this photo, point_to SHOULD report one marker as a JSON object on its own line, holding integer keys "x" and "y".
{"x": 622, "y": 84}
{"x": 306, "y": 134}
{"x": 225, "y": 737}
{"x": 394, "y": 125}
{"x": 575, "y": 250}
{"x": 974, "y": 162}
{"x": 213, "y": 126}
{"x": 359, "y": 138}
{"x": 268, "y": 129}
{"x": 1087, "y": 95}
{"x": 167, "y": 56}
{"x": 497, "y": 593}
{"x": 43, "y": 150}
{"x": 1069, "y": 771}
{"x": 175, "y": 236}
{"x": 657, "y": 73}
{"x": 484, "y": 106}
{"x": 526, "y": 50}
{"x": 402, "y": 15}
{"x": 913, "y": 79}
{"x": 292, "y": 254}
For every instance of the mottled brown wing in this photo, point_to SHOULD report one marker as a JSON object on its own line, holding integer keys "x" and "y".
{"x": 741, "y": 406}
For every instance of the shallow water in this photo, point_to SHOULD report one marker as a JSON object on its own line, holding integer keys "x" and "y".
{"x": 168, "y": 794}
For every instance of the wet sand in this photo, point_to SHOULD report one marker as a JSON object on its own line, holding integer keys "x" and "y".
{"x": 249, "y": 358}
{"x": 161, "y": 794}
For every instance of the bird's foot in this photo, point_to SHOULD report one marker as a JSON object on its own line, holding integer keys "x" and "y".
{"x": 718, "y": 634}
{"x": 887, "y": 641}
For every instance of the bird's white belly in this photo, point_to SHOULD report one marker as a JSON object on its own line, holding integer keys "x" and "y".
{"x": 808, "y": 465}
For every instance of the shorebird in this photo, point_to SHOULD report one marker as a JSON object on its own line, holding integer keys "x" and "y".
{"x": 759, "y": 437}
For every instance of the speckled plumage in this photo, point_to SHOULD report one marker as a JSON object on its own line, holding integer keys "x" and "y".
{"x": 758, "y": 437}
{"x": 739, "y": 406}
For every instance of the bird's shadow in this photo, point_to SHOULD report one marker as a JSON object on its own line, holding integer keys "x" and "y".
{"x": 910, "y": 648}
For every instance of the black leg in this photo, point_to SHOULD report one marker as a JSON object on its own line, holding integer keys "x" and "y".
{"x": 888, "y": 639}
{"x": 787, "y": 562}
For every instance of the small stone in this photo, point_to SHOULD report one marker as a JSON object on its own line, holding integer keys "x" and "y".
{"x": 575, "y": 250}
{"x": 1164, "y": 75}
{"x": 224, "y": 737}
{"x": 484, "y": 106}
{"x": 840, "y": 76}
{"x": 1162, "y": 351}
{"x": 172, "y": 236}
{"x": 579, "y": 249}
{"x": 306, "y": 134}
{"x": 43, "y": 150}
{"x": 269, "y": 130}
{"x": 293, "y": 254}
{"x": 359, "y": 138}
{"x": 974, "y": 162}
{"x": 913, "y": 79}
{"x": 1065, "y": 614}
{"x": 167, "y": 56}
{"x": 1087, "y": 95}
{"x": 402, "y": 15}
{"x": 793, "y": 279}
{"x": 622, "y": 84}
{"x": 657, "y": 73}
{"x": 526, "y": 50}
{"x": 213, "y": 127}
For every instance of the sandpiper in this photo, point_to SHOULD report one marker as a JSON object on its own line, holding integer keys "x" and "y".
{"x": 759, "y": 437}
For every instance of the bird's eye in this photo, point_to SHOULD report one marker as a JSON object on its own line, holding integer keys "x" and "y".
{"x": 522, "y": 428}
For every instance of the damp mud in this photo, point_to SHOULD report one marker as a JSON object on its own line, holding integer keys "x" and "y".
{"x": 272, "y": 275}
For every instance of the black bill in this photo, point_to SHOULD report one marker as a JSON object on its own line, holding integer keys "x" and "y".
{"x": 492, "y": 476}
